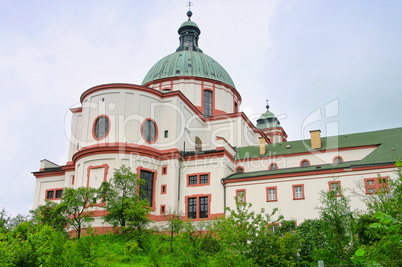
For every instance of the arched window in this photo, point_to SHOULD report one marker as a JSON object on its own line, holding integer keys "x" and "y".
{"x": 273, "y": 167}
{"x": 207, "y": 103}
{"x": 338, "y": 160}
{"x": 239, "y": 170}
{"x": 305, "y": 163}
{"x": 198, "y": 144}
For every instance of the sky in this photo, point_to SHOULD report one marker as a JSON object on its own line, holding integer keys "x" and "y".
{"x": 329, "y": 65}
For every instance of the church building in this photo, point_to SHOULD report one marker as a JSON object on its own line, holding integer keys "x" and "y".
{"x": 182, "y": 132}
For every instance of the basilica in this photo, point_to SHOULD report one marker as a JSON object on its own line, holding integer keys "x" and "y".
{"x": 183, "y": 132}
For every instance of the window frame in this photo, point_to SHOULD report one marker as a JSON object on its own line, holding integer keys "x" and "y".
{"x": 198, "y": 206}
{"x": 239, "y": 168}
{"x": 198, "y": 179}
{"x": 204, "y": 108}
{"x": 335, "y": 158}
{"x": 162, "y": 210}
{"x": 376, "y": 185}
{"x": 276, "y": 193}
{"x": 339, "y": 187}
{"x": 238, "y": 191}
{"x": 302, "y": 191}
{"x": 164, "y": 170}
{"x": 164, "y": 192}
{"x": 155, "y": 176}
{"x": 156, "y": 131}
{"x": 305, "y": 160}
{"x": 273, "y": 164}
{"x": 94, "y": 127}
{"x": 54, "y": 193}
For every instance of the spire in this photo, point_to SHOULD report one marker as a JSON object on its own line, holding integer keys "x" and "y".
{"x": 189, "y": 34}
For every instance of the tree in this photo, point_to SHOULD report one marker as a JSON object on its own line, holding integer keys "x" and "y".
{"x": 4, "y": 220}
{"x": 120, "y": 194}
{"x": 174, "y": 225}
{"x": 49, "y": 214}
{"x": 338, "y": 228}
{"x": 74, "y": 204}
{"x": 311, "y": 239}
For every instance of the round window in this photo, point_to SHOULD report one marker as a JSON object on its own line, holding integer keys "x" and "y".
{"x": 101, "y": 128}
{"x": 149, "y": 131}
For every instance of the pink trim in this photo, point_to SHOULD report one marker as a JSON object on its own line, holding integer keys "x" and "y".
{"x": 139, "y": 169}
{"x": 156, "y": 129}
{"x": 222, "y": 138}
{"x": 309, "y": 153}
{"x": 333, "y": 160}
{"x": 273, "y": 163}
{"x": 276, "y": 193}
{"x": 339, "y": 187}
{"x": 76, "y": 110}
{"x": 294, "y": 192}
{"x": 54, "y": 193}
{"x": 93, "y": 127}
{"x": 198, "y": 179}
{"x": 163, "y": 192}
{"x": 301, "y": 162}
{"x": 237, "y": 195}
{"x": 106, "y": 166}
{"x": 285, "y": 175}
{"x": 376, "y": 184}
{"x": 162, "y": 210}
{"x": 239, "y": 167}
{"x": 198, "y": 205}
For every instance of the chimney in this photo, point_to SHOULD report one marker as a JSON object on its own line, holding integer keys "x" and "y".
{"x": 315, "y": 139}
{"x": 262, "y": 146}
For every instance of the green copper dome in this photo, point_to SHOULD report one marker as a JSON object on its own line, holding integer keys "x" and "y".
{"x": 268, "y": 120}
{"x": 188, "y": 60}
{"x": 188, "y": 63}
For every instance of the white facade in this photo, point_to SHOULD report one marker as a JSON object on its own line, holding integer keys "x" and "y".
{"x": 162, "y": 130}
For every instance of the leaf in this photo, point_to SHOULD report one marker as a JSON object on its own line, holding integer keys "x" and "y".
{"x": 359, "y": 252}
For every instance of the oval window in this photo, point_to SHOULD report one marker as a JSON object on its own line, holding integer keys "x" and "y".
{"x": 149, "y": 131}
{"x": 101, "y": 127}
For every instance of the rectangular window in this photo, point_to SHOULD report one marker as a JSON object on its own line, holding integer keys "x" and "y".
{"x": 50, "y": 194}
{"x": 198, "y": 206}
{"x": 204, "y": 179}
{"x": 54, "y": 194}
{"x": 164, "y": 170}
{"x": 166, "y": 134}
{"x": 59, "y": 193}
{"x": 198, "y": 179}
{"x": 207, "y": 103}
{"x": 193, "y": 179}
{"x": 298, "y": 191}
{"x": 272, "y": 194}
{"x": 163, "y": 209}
{"x": 163, "y": 189}
{"x": 241, "y": 195}
{"x": 335, "y": 186}
{"x": 203, "y": 207}
{"x": 148, "y": 186}
{"x": 376, "y": 185}
{"x": 192, "y": 208}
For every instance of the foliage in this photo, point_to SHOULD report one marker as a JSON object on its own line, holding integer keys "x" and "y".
{"x": 49, "y": 214}
{"x": 385, "y": 230}
{"x": 311, "y": 239}
{"x": 338, "y": 226}
{"x": 174, "y": 225}
{"x": 74, "y": 204}
{"x": 119, "y": 195}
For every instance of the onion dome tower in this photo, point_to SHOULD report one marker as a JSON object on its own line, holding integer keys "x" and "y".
{"x": 270, "y": 125}
{"x": 192, "y": 72}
